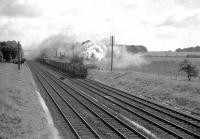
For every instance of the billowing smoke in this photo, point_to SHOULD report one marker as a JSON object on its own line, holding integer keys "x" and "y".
{"x": 98, "y": 53}
{"x": 125, "y": 59}
{"x": 122, "y": 58}
{"x": 62, "y": 45}
{"x": 54, "y": 45}
{"x": 93, "y": 51}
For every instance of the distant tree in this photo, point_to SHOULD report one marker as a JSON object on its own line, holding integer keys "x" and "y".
{"x": 13, "y": 48}
{"x": 178, "y": 50}
{"x": 8, "y": 49}
{"x": 1, "y": 56}
{"x": 6, "y": 52}
{"x": 136, "y": 48}
{"x": 190, "y": 69}
{"x": 189, "y": 49}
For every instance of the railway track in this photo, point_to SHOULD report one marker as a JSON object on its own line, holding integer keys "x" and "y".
{"x": 174, "y": 123}
{"x": 79, "y": 126}
{"x": 80, "y": 111}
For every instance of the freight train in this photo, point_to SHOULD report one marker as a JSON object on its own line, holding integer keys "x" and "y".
{"x": 76, "y": 70}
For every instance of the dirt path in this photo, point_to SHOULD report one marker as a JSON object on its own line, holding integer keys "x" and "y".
{"x": 21, "y": 114}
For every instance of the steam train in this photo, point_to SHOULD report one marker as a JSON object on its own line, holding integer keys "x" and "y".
{"x": 76, "y": 70}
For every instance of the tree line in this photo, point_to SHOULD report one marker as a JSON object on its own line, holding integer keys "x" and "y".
{"x": 8, "y": 50}
{"x": 189, "y": 49}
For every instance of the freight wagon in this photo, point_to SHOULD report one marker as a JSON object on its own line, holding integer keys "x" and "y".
{"x": 76, "y": 70}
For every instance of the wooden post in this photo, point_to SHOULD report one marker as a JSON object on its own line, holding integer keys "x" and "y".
{"x": 21, "y": 52}
{"x": 18, "y": 53}
{"x": 112, "y": 44}
{"x": 73, "y": 49}
{"x": 56, "y": 53}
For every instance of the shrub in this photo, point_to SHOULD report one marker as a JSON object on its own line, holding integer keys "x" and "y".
{"x": 9, "y": 50}
{"x": 190, "y": 69}
{"x": 6, "y": 53}
{"x": 1, "y": 56}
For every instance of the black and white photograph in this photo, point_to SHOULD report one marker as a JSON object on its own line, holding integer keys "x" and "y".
{"x": 99, "y": 69}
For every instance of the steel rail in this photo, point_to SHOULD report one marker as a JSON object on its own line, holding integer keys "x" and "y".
{"x": 170, "y": 113}
{"x": 146, "y": 101}
{"x": 169, "y": 131}
{"x": 95, "y": 103}
{"x": 76, "y": 113}
{"x": 153, "y": 115}
{"x": 116, "y": 131}
{"x": 59, "y": 109}
{"x": 130, "y": 104}
{"x": 113, "y": 90}
{"x": 94, "y": 90}
{"x": 160, "y": 108}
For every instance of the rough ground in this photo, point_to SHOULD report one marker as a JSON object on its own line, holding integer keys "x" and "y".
{"x": 21, "y": 114}
{"x": 178, "y": 94}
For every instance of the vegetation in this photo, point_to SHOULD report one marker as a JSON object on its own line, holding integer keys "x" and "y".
{"x": 192, "y": 56}
{"x": 136, "y": 48}
{"x": 1, "y": 56}
{"x": 190, "y": 69}
{"x": 189, "y": 49}
{"x": 8, "y": 50}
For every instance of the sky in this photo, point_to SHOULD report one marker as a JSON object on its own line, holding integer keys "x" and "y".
{"x": 160, "y": 25}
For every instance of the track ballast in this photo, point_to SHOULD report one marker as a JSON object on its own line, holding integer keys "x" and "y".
{"x": 84, "y": 102}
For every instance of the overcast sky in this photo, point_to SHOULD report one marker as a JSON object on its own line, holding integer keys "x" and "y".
{"x": 156, "y": 24}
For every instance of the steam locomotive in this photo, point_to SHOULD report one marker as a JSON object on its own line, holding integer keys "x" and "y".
{"x": 76, "y": 70}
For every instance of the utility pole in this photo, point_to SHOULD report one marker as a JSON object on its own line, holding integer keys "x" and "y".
{"x": 21, "y": 54}
{"x": 73, "y": 49}
{"x": 56, "y": 53}
{"x": 18, "y": 53}
{"x": 112, "y": 44}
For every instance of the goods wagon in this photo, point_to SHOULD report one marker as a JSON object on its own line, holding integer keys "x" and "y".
{"x": 74, "y": 69}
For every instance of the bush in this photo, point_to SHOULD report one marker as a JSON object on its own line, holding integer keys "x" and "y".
{"x": 9, "y": 50}
{"x": 190, "y": 69}
{"x": 1, "y": 56}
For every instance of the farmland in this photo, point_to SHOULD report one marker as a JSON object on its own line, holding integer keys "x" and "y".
{"x": 165, "y": 64}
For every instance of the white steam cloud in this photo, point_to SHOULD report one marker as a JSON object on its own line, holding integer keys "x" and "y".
{"x": 68, "y": 46}
{"x": 124, "y": 59}
{"x": 95, "y": 52}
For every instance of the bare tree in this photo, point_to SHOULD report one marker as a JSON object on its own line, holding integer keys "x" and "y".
{"x": 190, "y": 69}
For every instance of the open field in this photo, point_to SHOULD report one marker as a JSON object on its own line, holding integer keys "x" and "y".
{"x": 164, "y": 66}
{"x": 172, "y": 54}
{"x": 158, "y": 81}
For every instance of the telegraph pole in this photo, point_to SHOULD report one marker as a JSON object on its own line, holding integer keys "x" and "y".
{"x": 56, "y": 53}
{"x": 18, "y": 53}
{"x": 73, "y": 49}
{"x": 112, "y": 44}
